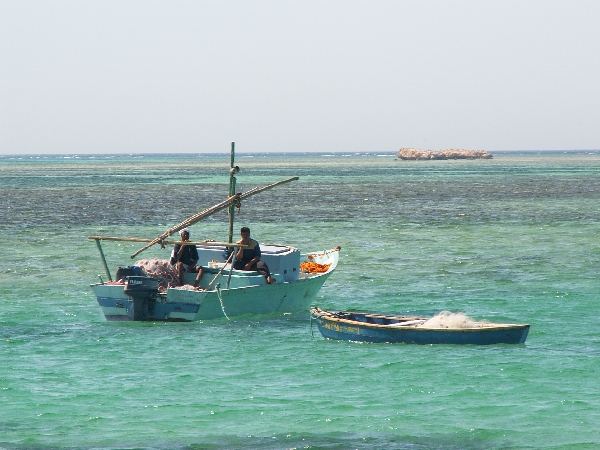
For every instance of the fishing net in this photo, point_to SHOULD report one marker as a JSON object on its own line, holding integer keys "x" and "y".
{"x": 162, "y": 270}
{"x": 313, "y": 267}
{"x": 447, "y": 319}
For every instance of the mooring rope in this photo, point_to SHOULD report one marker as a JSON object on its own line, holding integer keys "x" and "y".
{"x": 218, "y": 289}
{"x": 223, "y": 268}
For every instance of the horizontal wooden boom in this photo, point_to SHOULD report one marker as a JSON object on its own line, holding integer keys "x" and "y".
{"x": 208, "y": 212}
{"x": 166, "y": 241}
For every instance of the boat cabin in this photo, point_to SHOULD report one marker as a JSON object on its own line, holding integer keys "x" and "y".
{"x": 282, "y": 260}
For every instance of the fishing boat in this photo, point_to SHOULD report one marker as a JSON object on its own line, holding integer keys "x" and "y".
{"x": 373, "y": 327}
{"x": 137, "y": 293}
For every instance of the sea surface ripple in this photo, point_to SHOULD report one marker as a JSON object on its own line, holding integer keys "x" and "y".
{"x": 512, "y": 239}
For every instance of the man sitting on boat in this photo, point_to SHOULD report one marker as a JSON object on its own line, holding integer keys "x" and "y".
{"x": 185, "y": 257}
{"x": 248, "y": 257}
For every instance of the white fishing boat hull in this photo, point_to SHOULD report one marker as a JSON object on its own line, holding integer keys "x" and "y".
{"x": 235, "y": 293}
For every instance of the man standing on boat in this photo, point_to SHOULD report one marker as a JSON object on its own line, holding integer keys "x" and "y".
{"x": 248, "y": 257}
{"x": 185, "y": 257}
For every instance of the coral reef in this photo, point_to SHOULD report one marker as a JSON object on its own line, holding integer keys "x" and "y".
{"x": 451, "y": 153}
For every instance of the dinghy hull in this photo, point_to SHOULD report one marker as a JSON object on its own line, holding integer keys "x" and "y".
{"x": 365, "y": 327}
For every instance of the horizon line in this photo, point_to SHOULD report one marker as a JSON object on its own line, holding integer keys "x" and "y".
{"x": 391, "y": 152}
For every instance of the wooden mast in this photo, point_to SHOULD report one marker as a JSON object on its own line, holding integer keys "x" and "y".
{"x": 233, "y": 169}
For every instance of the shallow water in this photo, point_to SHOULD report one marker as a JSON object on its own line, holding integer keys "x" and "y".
{"x": 510, "y": 239}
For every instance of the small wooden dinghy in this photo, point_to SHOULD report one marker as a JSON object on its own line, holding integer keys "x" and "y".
{"x": 372, "y": 327}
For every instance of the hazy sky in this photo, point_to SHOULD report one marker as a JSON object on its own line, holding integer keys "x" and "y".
{"x": 88, "y": 76}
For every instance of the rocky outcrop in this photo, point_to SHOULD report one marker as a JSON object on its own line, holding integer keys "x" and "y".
{"x": 451, "y": 153}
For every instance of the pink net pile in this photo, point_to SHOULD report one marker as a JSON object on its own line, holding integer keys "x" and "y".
{"x": 160, "y": 269}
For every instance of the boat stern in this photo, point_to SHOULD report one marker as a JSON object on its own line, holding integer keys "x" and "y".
{"x": 113, "y": 301}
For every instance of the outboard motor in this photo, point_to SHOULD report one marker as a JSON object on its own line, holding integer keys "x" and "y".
{"x": 143, "y": 291}
{"x": 124, "y": 272}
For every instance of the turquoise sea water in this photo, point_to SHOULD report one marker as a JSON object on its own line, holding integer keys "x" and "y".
{"x": 511, "y": 239}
